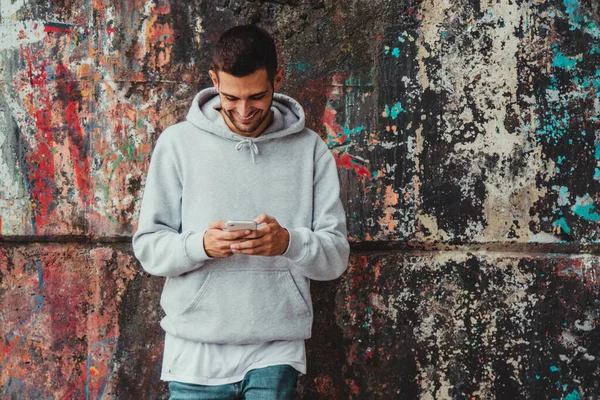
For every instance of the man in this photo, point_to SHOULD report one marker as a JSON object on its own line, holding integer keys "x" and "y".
{"x": 237, "y": 304}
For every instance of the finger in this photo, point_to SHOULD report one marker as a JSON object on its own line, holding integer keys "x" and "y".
{"x": 263, "y": 218}
{"x": 223, "y": 254}
{"x": 267, "y": 229}
{"x": 254, "y": 251}
{"x": 257, "y": 234}
{"x": 247, "y": 244}
{"x": 235, "y": 235}
{"x": 218, "y": 224}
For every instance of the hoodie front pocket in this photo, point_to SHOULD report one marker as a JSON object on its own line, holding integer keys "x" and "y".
{"x": 198, "y": 295}
{"x": 242, "y": 306}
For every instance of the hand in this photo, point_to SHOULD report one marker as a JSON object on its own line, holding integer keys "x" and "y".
{"x": 217, "y": 243}
{"x": 270, "y": 240}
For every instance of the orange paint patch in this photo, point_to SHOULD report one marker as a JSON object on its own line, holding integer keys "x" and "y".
{"x": 389, "y": 202}
{"x": 161, "y": 33}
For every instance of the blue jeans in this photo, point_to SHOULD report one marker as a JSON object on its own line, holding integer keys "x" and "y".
{"x": 271, "y": 383}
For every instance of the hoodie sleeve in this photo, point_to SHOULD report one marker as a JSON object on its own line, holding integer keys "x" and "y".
{"x": 158, "y": 243}
{"x": 321, "y": 253}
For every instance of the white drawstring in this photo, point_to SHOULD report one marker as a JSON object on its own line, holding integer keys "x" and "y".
{"x": 251, "y": 146}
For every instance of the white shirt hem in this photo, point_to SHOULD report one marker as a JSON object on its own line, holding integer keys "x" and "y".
{"x": 198, "y": 380}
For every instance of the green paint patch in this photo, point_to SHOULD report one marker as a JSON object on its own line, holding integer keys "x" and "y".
{"x": 164, "y": 37}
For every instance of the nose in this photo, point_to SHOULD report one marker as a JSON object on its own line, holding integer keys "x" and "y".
{"x": 244, "y": 109}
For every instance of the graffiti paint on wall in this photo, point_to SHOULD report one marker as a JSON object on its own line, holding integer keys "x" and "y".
{"x": 456, "y": 325}
{"x": 61, "y": 307}
{"x": 479, "y": 118}
{"x": 453, "y": 122}
{"x": 83, "y": 100}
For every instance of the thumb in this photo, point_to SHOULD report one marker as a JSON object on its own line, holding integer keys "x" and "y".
{"x": 219, "y": 224}
{"x": 263, "y": 218}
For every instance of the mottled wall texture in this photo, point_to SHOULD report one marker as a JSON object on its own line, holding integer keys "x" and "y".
{"x": 467, "y": 136}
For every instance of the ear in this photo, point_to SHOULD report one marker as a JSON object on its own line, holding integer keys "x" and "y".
{"x": 278, "y": 80}
{"x": 214, "y": 78}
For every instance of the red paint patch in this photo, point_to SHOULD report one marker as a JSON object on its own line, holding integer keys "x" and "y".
{"x": 57, "y": 29}
{"x": 345, "y": 161}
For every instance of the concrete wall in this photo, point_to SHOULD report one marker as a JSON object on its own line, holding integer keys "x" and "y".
{"x": 467, "y": 136}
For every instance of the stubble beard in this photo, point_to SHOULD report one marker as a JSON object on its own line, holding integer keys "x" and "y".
{"x": 245, "y": 128}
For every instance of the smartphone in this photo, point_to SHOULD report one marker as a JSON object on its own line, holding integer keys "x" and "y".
{"x": 240, "y": 226}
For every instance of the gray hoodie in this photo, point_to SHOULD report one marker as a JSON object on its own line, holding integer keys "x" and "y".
{"x": 200, "y": 172}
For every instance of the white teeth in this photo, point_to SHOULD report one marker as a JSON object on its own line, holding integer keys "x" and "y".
{"x": 247, "y": 119}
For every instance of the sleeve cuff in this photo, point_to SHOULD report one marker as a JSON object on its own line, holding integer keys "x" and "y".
{"x": 296, "y": 250}
{"x": 193, "y": 247}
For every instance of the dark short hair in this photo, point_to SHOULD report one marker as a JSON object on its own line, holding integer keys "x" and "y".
{"x": 245, "y": 49}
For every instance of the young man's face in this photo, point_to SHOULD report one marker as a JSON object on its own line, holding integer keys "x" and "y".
{"x": 246, "y": 101}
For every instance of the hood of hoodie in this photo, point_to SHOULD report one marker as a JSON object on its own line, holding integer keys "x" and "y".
{"x": 288, "y": 117}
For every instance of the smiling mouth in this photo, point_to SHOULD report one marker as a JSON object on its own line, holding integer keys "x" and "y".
{"x": 248, "y": 119}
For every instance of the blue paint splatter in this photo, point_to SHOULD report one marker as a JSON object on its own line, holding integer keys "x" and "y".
{"x": 574, "y": 395}
{"x": 396, "y": 52}
{"x": 299, "y": 66}
{"x": 584, "y": 208}
{"x": 353, "y": 131}
{"x": 562, "y": 61}
{"x": 347, "y": 132}
{"x": 394, "y": 111}
{"x": 554, "y": 368}
{"x": 562, "y": 223}
{"x": 563, "y": 195}
{"x": 579, "y": 20}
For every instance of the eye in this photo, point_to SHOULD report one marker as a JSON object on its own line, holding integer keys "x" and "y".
{"x": 257, "y": 97}
{"x": 231, "y": 98}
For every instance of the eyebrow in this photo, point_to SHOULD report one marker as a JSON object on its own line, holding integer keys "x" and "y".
{"x": 253, "y": 95}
